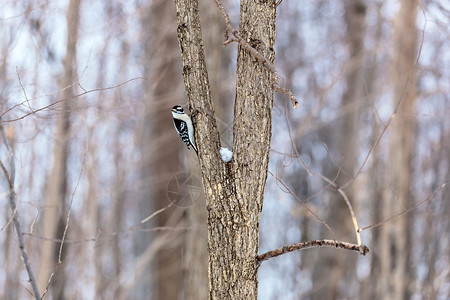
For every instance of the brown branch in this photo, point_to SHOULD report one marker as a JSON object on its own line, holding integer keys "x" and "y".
{"x": 265, "y": 62}
{"x": 311, "y": 244}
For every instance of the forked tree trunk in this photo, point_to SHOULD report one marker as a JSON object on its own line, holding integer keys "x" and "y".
{"x": 234, "y": 191}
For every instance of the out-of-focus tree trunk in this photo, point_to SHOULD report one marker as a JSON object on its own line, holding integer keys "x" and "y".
{"x": 333, "y": 266}
{"x": 53, "y": 215}
{"x": 160, "y": 144}
{"x": 395, "y": 276}
{"x": 437, "y": 221}
{"x": 108, "y": 255}
{"x": 368, "y": 288}
{"x": 10, "y": 286}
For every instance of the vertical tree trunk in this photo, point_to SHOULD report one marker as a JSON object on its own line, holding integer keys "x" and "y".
{"x": 54, "y": 211}
{"x": 395, "y": 236}
{"x": 161, "y": 154}
{"x": 10, "y": 286}
{"x": 369, "y": 288}
{"x": 334, "y": 266}
{"x": 234, "y": 191}
{"x": 196, "y": 255}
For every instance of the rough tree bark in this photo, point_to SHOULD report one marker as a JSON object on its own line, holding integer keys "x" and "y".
{"x": 395, "y": 241}
{"x": 234, "y": 190}
{"x": 196, "y": 239}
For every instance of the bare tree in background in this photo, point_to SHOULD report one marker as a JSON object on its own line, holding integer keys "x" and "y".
{"x": 395, "y": 237}
{"x": 165, "y": 92}
{"x": 334, "y": 266}
{"x": 161, "y": 154}
{"x": 108, "y": 217}
{"x": 54, "y": 212}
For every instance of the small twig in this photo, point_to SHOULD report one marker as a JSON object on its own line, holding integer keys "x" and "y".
{"x": 311, "y": 244}
{"x": 375, "y": 144}
{"x": 23, "y": 89}
{"x": 156, "y": 213}
{"x": 66, "y": 241}
{"x": 66, "y": 227}
{"x": 304, "y": 204}
{"x": 394, "y": 113}
{"x": 352, "y": 213}
{"x": 265, "y": 62}
{"x": 59, "y": 101}
{"x": 406, "y": 210}
{"x": 330, "y": 183}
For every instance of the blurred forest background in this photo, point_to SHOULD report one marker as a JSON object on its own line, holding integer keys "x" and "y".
{"x": 86, "y": 88}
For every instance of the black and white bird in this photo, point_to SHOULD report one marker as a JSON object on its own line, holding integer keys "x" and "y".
{"x": 184, "y": 127}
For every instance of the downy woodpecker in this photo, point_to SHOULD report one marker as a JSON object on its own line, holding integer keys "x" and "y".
{"x": 184, "y": 127}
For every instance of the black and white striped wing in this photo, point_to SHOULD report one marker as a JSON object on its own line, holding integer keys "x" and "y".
{"x": 182, "y": 130}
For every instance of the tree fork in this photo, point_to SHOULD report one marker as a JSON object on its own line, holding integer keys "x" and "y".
{"x": 234, "y": 191}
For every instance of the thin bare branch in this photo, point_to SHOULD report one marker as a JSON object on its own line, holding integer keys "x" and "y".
{"x": 23, "y": 89}
{"x": 305, "y": 204}
{"x": 66, "y": 227}
{"x": 59, "y": 101}
{"x": 392, "y": 116}
{"x": 429, "y": 198}
{"x": 23, "y": 13}
{"x": 311, "y": 244}
{"x": 106, "y": 235}
{"x": 156, "y": 213}
{"x": 331, "y": 183}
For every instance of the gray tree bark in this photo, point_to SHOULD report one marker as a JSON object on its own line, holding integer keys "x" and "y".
{"x": 234, "y": 190}
{"x": 196, "y": 255}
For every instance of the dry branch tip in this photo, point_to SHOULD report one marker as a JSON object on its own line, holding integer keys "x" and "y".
{"x": 244, "y": 44}
{"x": 312, "y": 244}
